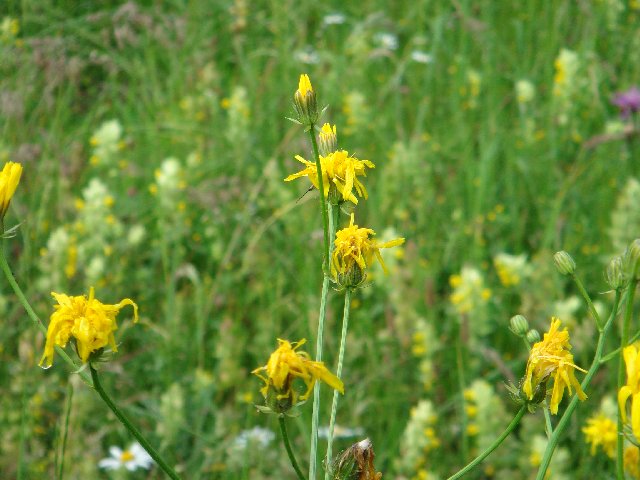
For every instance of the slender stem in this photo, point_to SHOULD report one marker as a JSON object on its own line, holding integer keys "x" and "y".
{"x": 564, "y": 421}
{"x": 32, "y": 314}
{"x": 313, "y": 454}
{"x": 129, "y": 426}
{"x": 462, "y": 386}
{"x": 60, "y": 469}
{"x": 587, "y": 299}
{"x": 323, "y": 201}
{"x": 287, "y": 446}
{"x": 493, "y": 446}
{"x": 334, "y": 404}
{"x": 624, "y": 339}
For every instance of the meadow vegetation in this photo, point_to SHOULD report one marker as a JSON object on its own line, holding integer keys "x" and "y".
{"x": 154, "y": 145}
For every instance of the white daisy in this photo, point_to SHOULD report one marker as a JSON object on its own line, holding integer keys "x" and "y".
{"x": 419, "y": 56}
{"x": 387, "y": 41}
{"x": 133, "y": 458}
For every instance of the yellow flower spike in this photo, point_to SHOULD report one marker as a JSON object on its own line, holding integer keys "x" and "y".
{"x": 9, "y": 179}
{"x": 631, "y": 389}
{"x": 286, "y": 364}
{"x": 354, "y": 252}
{"x": 551, "y": 358}
{"x": 340, "y": 174}
{"x": 90, "y": 322}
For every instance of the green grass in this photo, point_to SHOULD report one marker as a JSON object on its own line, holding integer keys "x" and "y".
{"x": 232, "y": 260}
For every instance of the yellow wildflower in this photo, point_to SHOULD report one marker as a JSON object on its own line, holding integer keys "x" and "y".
{"x": 601, "y": 431}
{"x": 551, "y": 357}
{"x": 631, "y": 389}
{"x": 339, "y": 171}
{"x": 353, "y": 247}
{"x": 328, "y": 139}
{"x": 9, "y": 179}
{"x": 286, "y": 364}
{"x": 632, "y": 461}
{"x": 304, "y": 85}
{"x": 90, "y": 322}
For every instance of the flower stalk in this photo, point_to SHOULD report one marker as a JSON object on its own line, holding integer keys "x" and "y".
{"x": 493, "y": 446}
{"x": 129, "y": 426}
{"x": 287, "y": 446}
{"x": 334, "y": 403}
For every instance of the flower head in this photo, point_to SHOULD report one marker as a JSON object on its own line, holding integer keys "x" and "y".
{"x": 340, "y": 174}
{"x": 354, "y": 252}
{"x": 631, "y": 389}
{"x": 628, "y": 102}
{"x": 601, "y": 431}
{"x": 284, "y": 366}
{"x": 548, "y": 358}
{"x": 90, "y": 322}
{"x": 133, "y": 458}
{"x": 9, "y": 179}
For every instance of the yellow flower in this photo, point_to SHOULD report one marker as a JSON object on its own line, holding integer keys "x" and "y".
{"x": 9, "y": 179}
{"x": 631, "y": 389}
{"x": 551, "y": 357}
{"x": 632, "y": 461}
{"x": 286, "y": 364}
{"x": 354, "y": 247}
{"x": 304, "y": 85}
{"x": 90, "y": 322}
{"x": 601, "y": 431}
{"x": 339, "y": 171}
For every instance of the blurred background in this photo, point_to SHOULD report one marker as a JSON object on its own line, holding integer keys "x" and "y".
{"x": 154, "y": 144}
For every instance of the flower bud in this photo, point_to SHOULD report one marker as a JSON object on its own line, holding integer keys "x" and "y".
{"x": 615, "y": 273}
{"x": 304, "y": 101}
{"x": 519, "y": 325}
{"x": 564, "y": 263}
{"x": 632, "y": 259}
{"x": 328, "y": 140}
{"x": 356, "y": 463}
{"x": 533, "y": 336}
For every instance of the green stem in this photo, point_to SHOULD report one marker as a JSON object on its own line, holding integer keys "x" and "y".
{"x": 287, "y": 446}
{"x": 334, "y": 404}
{"x": 129, "y": 426}
{"x": 32, "y": 314}
{"x": 564, "y": 421}
{"x": 631, "y": 292}
{"x": 587, "y": 299}
{"x": 493, "y": 446}
{"x": 462, "y": 386}
{"x": 313, "y": 453}
{"x": 323, "y": 201}
{"x": 65, "y": 432}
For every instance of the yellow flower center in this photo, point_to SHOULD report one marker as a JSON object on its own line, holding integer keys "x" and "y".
{"x": 126, "y": 456}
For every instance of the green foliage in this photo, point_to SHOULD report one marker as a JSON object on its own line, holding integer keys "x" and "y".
{"x": 192, "y": 220}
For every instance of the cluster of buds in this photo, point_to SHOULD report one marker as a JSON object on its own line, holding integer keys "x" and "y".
{"x": 519, "y": 326}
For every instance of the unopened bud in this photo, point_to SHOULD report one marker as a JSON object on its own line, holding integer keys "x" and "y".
{"x": 519, "y": 325}
{"x": 328, "y": 139}
{"x": 356, "y": 463}
{"x": 533, "y": 336}
{"x": 615, "y": 273}
{"x": 305, "y": 103}
{"x": 632, "y": 259}
{"x": 564, "y": 263}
